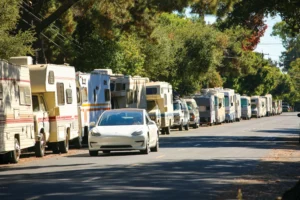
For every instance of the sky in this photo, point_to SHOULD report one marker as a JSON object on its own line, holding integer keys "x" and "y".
{"x": 271, "y": 46}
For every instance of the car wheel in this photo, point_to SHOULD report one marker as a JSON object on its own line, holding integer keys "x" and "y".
{"x": 180, "y": 127}
{"x": 147, "y": 149}
{"x": 106, "y": 151}
{"x": 93, "y": 153}
{"x": 187, "y": 126}
{"x": 40, "y": 146}
{"x": 156, "y": 148}
{"x": 16, "y": 153}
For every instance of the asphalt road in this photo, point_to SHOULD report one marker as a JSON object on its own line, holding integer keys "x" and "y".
{"x": 196, "y": 164}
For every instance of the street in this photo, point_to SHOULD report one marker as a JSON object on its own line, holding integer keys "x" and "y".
{"x": 204, "y": 163}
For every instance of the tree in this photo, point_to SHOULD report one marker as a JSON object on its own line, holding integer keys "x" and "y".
{"x": 13, "y": 42}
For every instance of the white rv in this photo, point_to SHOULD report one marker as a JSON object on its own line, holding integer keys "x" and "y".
{"x": 237, "y": 106}
{"x": 17, "y": 125}
{"x": 275, "y": 107}
{"x": 160, "y": 104}
{"x": 128, "y": 91}
{"x": 206, "y": 105}
{"x": 229, "y": 104}
{"x": 246, "y": 107}
{"x": 268, "y": 106}
{"x": 55, "y": 105}
{"x": 263, "y": 105}
{"x": 279, "y": 104}
{"x": 256, "y": 107}
{"x": 93, "y": 96}
{"x": 219, "y": 103}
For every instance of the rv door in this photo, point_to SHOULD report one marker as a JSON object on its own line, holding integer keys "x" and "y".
{"x": 42, "y": 116}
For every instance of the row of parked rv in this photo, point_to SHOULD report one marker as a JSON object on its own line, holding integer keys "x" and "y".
{"x": 48, "y": 105}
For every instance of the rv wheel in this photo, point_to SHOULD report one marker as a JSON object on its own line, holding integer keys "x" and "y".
{"x": 64, "y": 145}
{"x": 77, "y": 142}
{"x": 181, "y": 126}
{"x": 40, "y": 146}
{"x": 168, "y": 130}
{"x": 196, "y": 125}
{"x": 186, "y": 127}
{"x": 16, "y": 153}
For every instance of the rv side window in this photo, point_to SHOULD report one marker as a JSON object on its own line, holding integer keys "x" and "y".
{"x": 24, "y": 96}
{"x": 60, "y": 94}
{"x": 1, "y": 92}
{"x": 107, "y": 94}
{"x": 118, "y": 86}
{"x": 78, "y": 94}
{"x": 51, "y": 77}
{"x": 69, "y": 96}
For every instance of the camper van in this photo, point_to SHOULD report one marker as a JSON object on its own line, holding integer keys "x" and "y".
{"x": 128, "y": 91}
{"x": 54, "y": 101}
{"x": 93, "y": 97}
{"x": 206, "y": 105}
{"x": 17, "y": 125}
{"x": 181, "y": 114}
{"x": 237, "y": 106}
{"x": 160, "y": 104}
{"x": 229, "y": 104}
{"x": 246, "y": 107}
{"x": 256, "y": 106}
{"x": 268, "y": 106}
{"x": 194, "y": 112}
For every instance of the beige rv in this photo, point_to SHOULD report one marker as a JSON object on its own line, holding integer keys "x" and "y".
{"x": 55, "y": 106}
{"x": 16, "y": 116}
{"x": 128, "y": 91}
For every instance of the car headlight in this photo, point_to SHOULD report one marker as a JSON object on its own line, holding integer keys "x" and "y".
{"x": 136, "y": 133}
{"x": 96, "y": 134}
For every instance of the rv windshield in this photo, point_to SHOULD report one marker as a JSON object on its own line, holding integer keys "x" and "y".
{"x": 226, "y": 101}
{"x": 189, "y": 105}
{"x": 150, "y": 91}
{"x": 176, "y": 106}
{"x": 244, "y": 103}
{"x": 253, "y": 106}
{"x": 151, "y": 105}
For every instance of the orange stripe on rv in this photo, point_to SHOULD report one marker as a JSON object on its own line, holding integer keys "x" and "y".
{"x": 12, "y": 79}
{"x": 62, "y": 118}
{"x": 94, "y": 109}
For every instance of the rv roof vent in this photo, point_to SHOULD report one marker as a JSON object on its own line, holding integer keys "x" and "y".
{"x": 21, "y": 60}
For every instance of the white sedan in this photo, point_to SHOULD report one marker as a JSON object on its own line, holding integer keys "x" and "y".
{"x": 122, "y": 130}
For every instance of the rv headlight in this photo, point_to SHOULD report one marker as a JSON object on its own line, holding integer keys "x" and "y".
{"x": 136, "y": 133}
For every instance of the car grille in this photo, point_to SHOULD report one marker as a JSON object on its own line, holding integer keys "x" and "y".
{"x": 116, "y": 146}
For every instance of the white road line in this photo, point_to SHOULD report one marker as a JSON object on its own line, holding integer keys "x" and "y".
{"x": 90, "y": 180}
{"x": 161, "y": 156}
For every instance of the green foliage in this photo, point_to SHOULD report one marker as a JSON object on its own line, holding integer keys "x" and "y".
{"x": 12, "y": 42}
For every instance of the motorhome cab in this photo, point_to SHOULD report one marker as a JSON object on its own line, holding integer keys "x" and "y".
{"x": 93, "y": 97}
{"x": 238, "y": 107}
{"x": 160, "y": 104}
{"x": 268, "y": 106}
{"x": 128, "y": 91}
{"x": 206, "y": 106}
{"x": 181, "y": 114}
{"x": 256, "y": 106}
{"x": 17, "y": 125}
{"x": 246, "y": 107}
{"x": 55, "y": 105}
{"x": 229, "y": 104}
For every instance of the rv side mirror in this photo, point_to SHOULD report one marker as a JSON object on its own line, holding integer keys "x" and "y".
{"x": 298, "y": 115}
{"x": 92, "y": 124}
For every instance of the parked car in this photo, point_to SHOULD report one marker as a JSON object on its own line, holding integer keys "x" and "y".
{"x": 122, "y": 130}
{"x": 194, "y": 112}
{"x": 181, "y": 115}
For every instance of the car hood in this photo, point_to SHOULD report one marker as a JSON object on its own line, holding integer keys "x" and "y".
{"x": 118, "y": 129}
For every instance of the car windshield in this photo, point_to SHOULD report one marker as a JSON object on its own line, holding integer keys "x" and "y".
{"x": 244, "y": 103}
{"x": 176, "y": 106}
{"x": 121, "y": 118}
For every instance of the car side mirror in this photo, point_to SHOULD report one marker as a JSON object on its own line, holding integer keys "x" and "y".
{"x": 298, "y": 115}
{"x": 92, "y": 124}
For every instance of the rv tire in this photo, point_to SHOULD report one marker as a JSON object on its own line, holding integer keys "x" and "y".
{"x": 186, "y": 127}
{"x": 40, "y": 146}
{"x": 168, "y": 130}
{"x": 16, "y": 153}
{"x": 77, "y": 142}
{"x": 181, "y": 126}
{"x": 196, "y": 125}
{"x": 64, "y": 145}
{"x": 93, "y": 153}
